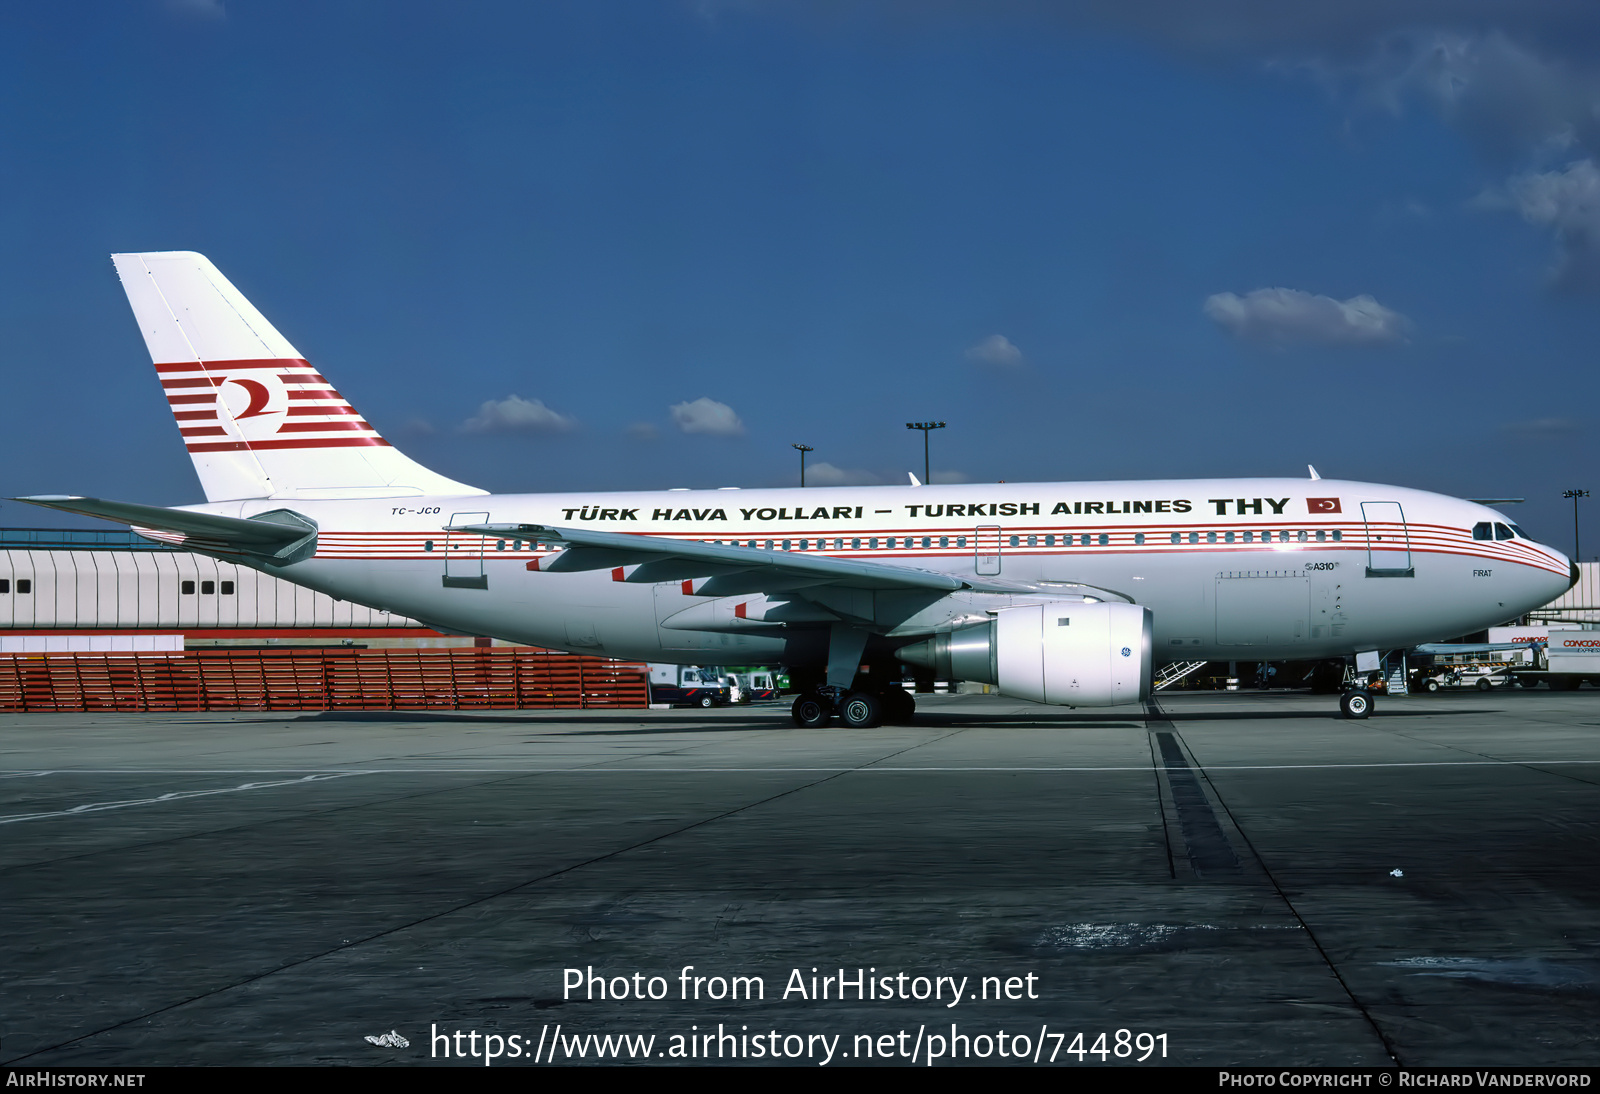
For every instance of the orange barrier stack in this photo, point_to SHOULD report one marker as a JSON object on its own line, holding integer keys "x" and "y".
{"x": 503, "y": 678}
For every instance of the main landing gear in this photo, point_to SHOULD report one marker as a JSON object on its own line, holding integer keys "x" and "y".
{"x": 856, "y": 709}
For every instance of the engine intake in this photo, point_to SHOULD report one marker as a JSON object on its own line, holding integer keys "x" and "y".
{"x": 1063, "y": 652}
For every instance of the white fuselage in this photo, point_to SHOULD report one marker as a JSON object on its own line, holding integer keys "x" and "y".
{"x": 1248, "y": 569}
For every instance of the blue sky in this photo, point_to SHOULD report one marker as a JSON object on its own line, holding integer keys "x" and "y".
{"x": 1100, "y": 240}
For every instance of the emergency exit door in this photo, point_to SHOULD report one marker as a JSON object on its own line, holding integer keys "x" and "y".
{"x": 986, "y": 553}
{"x": 463, "y": 553}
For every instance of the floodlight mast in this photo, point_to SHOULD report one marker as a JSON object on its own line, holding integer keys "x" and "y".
{"x": 804, "y": 448}
{"x": 1577, "y": 550}
{"x": 926, "y": 428}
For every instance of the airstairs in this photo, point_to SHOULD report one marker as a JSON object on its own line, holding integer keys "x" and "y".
{"x": 1171, "y": 673}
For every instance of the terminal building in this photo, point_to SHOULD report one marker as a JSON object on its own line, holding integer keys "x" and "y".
{"x": 111, "y": 619}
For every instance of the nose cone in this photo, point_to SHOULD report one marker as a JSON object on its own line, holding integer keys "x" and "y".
{"x": 1574, "y": 574}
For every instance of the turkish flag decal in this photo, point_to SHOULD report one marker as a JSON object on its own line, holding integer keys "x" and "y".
{"x": 1323, "y": 505}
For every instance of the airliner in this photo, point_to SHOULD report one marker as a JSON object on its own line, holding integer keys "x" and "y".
{"x": 1065, "y": 593}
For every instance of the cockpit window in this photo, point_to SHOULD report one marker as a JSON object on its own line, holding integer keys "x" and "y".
{"x": 1520, "y": 533}
{"x": 1483, "y": 530}
{"x": 1502, "y": 532}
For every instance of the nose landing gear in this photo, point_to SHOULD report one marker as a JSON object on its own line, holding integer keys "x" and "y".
{"x": 1355, "y": 703}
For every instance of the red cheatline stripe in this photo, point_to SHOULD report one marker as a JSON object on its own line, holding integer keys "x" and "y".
{"x": 317, "y": 427}
{"x": 321, "y": 393}
{"x": 303, "y": 378}
{"x": 209, "y": 397}
{"x": 227, "y": 366}
{"x": 309, "y": 442}
{"x": 194, "y": 415}
{"x": 330, "y": 409}
{"x": 199, "y": 381}
{"x": 203, "y": 431}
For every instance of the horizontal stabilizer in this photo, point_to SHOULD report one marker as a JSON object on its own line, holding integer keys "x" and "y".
{"x": 281, "y": 536}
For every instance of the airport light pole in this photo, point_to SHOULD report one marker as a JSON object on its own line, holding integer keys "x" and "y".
{"x": 804, "y": 448}
{"x": 926, "y": 428}
{"x": 1577, "y": 552}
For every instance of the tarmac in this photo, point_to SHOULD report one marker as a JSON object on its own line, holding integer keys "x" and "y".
{"x": 1226, "y": 878}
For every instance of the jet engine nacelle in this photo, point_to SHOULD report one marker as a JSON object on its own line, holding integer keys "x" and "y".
{"x": 1064, "y": 652}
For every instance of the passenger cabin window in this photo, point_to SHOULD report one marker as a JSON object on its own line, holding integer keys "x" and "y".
{"x": 1014, "y": 541}
{"x": 1104, "y": 539}
{"x": 1502, "y": 532}
{"x": 1176, "y": 537}
{"x": 1138, "y": 538}
{"x": 1482, "y": 530}
{"x": 961, "y": 541}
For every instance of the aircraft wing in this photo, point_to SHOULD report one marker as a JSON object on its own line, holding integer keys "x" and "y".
{"x": 732, "y": 570}
{"x": 279, "y": 536}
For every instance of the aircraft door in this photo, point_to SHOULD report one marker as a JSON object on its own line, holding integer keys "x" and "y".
{"x": 986, "y": 553}
{"x": 1388, "y": 542}
{"x": 463, "y": 553}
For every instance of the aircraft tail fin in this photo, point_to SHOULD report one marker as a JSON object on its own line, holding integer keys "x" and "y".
{"x": 258, "y": 420}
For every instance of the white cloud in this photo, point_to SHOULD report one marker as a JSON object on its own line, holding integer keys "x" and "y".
{"x": 996, "y": 349}
{"x": 707, "y": 416}
{"x": 1567, "y": 201}
{"x": 825, "y": 474}
{"x": 1284, "y": 316}
{"x": 516, "y": 414}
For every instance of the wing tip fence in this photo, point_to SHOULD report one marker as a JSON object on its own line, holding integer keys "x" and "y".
{"x": 320, "y": 679}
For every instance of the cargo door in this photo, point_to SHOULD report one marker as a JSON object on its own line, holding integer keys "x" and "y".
{"x": 986, "y": 556}
{"x": 1266, "y": 608}
{"x": 463, "y": 553}
{"x": 1388, "y": 541}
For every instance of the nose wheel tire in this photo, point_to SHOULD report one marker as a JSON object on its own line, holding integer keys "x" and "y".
{"x": 861, "y": 710}
{"x": 1355, "y": 704}
{"x": 811, "y": 711}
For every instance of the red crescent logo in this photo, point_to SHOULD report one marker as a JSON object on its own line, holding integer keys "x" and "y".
{"x": 258, "y": 397}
